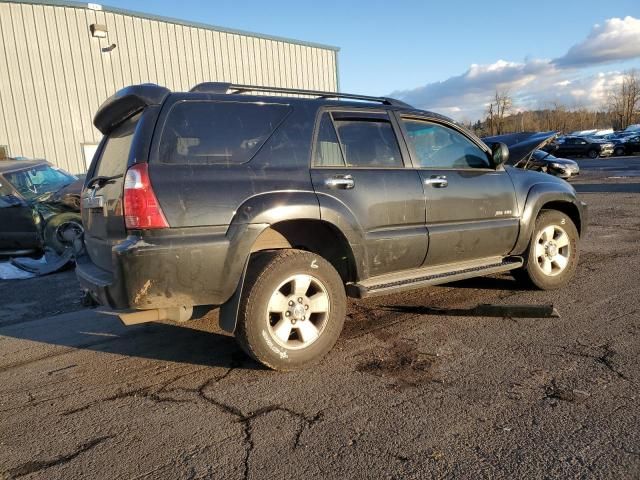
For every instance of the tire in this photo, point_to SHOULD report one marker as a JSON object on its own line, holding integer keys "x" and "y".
{"x": 541, "y": 269}
{"x": 278, "y": 334}
{"x": 53, "y": 230}
{"x": 618, "y": 152}
{"x": 593, "y": 154}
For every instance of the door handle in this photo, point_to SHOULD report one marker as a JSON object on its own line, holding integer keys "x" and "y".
{"x": 437, "y": 181}
{"x": 344, "y": 182}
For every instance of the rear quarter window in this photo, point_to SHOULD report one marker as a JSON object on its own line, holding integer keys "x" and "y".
{"x": 217, "y": 133}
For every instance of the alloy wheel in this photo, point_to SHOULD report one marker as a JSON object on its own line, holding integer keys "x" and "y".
{"x": 298, "y": 311}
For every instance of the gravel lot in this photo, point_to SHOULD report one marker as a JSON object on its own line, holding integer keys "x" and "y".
{"x": 418, "y": 386}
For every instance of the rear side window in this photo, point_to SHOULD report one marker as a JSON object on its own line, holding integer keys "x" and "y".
{"x": 369, "y": 143}
{"x": 214, "y": 133}
{"x": 115, "y": 153}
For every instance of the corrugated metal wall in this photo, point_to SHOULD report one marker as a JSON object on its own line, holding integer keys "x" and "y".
{"x": 54, "y": 74}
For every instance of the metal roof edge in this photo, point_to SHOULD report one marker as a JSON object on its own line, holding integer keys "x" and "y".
{"x": 159, "y": 18}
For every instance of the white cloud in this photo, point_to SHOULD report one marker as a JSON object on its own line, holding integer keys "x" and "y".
{"x": 535, "y": 83}
{"x": 618, "y": 39}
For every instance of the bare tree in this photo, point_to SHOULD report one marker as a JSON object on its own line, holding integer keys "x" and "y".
{"x": 624, "y": 100}
{"x": 497, "y": 109}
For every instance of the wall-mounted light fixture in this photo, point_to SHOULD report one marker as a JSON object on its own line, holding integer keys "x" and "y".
{"x": 98, "y": 31}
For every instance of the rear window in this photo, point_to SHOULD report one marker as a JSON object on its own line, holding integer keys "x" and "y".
{"x": 115, "y": 153}
{"x": 213, "y": 133}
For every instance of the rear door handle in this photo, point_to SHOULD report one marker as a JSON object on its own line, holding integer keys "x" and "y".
{"x": 437, "y": 181}
{"x": 344, "y": 182}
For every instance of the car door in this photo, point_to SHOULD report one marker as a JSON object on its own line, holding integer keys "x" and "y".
{"x": 633, "y": 145}
{"x": 359, "y": 175}
{"x": 471, "y": 206}
{"x": 18, "y": 221}
{"x": 568, "y": 148}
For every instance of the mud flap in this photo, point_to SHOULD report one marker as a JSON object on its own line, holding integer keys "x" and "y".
{"x": 228, "y": 315}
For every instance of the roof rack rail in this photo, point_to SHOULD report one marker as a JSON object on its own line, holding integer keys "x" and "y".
{"x": 222, "y": 87}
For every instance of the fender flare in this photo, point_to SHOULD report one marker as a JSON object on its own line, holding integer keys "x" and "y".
{"x": 260, "y": 212}
{"x": 539, "y": 195}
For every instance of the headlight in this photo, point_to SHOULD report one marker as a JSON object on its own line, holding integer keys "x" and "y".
{"x": 559, "y": 166}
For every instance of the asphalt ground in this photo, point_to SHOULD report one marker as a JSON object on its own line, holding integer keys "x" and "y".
{"x": 420, "y": 385}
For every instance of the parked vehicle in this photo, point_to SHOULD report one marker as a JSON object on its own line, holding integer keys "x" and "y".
{"x": 276, "y": 208}
{"x": 542, "y": 161}
{"x": 627, "y": 146}
{"x": 38, "y": 204}
{"x": 581, "y": 146}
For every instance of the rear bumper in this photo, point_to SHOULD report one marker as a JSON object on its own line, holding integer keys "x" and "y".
{"x": 169, "y": 269}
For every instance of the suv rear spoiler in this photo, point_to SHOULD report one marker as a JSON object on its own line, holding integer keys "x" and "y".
{"x": 127, "y": 102}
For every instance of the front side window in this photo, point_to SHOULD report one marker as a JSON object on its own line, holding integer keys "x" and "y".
{"x": 218, "y": 133}
{"x": 437, "y": 146}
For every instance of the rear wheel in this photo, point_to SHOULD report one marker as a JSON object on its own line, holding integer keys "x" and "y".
{"x": 592, "y": 154}
{"x": 292, "y": 309}
{"x": 552, "y": 257}
{"x": 618, "y": 152}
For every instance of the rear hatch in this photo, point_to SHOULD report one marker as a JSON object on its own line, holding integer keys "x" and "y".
{"x": 102, "y": 212}
{"x": 127, "y": 120}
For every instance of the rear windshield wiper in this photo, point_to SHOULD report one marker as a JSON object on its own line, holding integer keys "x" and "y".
{"x": 101, "y": 180}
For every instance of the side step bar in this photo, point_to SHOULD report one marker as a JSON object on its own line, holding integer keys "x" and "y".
{"x": 397, "y": 282}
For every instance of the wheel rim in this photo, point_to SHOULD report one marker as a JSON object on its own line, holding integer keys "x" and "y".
{"x": 552, "y": 250}
{"x": 69, "y": 231}
{"x": 298, "y": 311}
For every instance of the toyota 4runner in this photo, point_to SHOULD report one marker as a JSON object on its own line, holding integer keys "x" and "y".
{"x": 276, "y": 204}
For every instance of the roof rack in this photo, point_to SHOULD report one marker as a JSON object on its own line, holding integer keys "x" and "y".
{"x": 222, "y": 87}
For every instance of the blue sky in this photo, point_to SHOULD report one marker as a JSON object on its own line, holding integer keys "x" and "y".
{"x": 423, "y": 50}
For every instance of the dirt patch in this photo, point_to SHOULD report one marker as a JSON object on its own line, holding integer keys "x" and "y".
{"x": 402, "y": 365}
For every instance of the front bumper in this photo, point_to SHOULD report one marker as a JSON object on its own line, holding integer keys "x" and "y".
{"x": 169, "y": 269}
{"x": 606, "y": 151}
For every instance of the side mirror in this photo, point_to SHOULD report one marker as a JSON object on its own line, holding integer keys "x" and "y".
{"x": 499, "y": 154}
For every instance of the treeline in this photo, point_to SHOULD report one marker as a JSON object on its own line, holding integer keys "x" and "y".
{"x": 557, "y": 119}
{"x": 622, "y": 109}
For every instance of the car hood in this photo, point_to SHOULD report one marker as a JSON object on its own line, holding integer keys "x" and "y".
{"x": 522, "y": 145}
{"x": 65, "y": 199}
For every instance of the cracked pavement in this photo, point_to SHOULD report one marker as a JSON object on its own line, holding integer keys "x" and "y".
{"x": 418, "y": 386}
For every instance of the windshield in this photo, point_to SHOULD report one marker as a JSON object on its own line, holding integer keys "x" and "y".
{"x": 36, "y": 181}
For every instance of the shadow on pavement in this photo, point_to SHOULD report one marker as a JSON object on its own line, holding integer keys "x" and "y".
{"x": 92, "y": 330}
{"x": 607, "y": 187}
{"x": 483, "y": 310}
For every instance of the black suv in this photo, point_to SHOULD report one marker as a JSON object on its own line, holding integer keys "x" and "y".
{"x": 581, "y": 146}
{"x": 276, "y": 206}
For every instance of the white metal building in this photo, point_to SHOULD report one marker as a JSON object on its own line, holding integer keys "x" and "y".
{"x": 60, "y": 60}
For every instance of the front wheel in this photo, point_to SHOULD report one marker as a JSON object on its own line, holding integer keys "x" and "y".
{"x": 618, "y": 152}
{"x": 62, "y": 230}
{"x": 292, "y": 309}
{"x": 552, "y": 256}
{"x": 592, "y": 154}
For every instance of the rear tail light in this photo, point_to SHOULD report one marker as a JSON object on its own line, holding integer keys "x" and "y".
{"x": 141, "y": 207}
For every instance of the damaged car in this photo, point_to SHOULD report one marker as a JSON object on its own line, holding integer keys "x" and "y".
{"x": 39, "y": 207}
{"x": 526, "y": 152}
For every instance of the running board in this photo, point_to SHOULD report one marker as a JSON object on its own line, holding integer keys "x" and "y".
{"x": 422, "y": 277}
